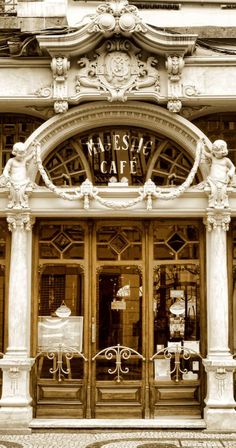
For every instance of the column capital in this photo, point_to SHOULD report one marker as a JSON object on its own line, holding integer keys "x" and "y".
{"x": 217, "y": 219}
{"x": 19, "y": 220}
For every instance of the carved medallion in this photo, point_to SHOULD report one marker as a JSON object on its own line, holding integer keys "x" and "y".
{"x": 117, "y": 68}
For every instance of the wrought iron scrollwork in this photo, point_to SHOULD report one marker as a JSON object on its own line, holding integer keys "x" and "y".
{"x": 56, "y": 355}
{"x": 118, "y": 353}
{"x": 176, "y": 352}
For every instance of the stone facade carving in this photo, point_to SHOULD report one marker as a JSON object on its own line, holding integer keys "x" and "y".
{"x": 22, "y": 221}
{"x": 149, "y": 191}
{"x": 217, "y": 219}
{"x": 221, "y": 174}
{"x": 117, "y": 17}
{"x": 174, "y": 66}
{"x": 15, "y": 177}
{"x": 60, "y": 67}
{"x": 117, "y": 68}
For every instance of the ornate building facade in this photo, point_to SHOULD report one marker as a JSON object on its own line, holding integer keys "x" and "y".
{"x": 118, "y": 206}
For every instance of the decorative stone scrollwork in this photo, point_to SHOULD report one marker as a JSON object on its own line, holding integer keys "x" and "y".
{"x": 221, "y": 376}
{"x": 14, "y": 374}
{"x": 190, "y": 90}
{"x": 22, "y": 221}
{"x": 44, "y": 92}
{"x": 174, "y": 66}
{"x": 117, "y": 68}
{"x": 117, "y": 17}
{"x": 60, "y": 67}
{"x": 217, "y": 220}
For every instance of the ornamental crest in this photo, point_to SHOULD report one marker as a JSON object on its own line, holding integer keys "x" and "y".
{"x": 119, "y": 69}
{"x": 117, "y": 17}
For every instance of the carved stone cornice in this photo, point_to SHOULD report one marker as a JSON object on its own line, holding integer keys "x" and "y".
{"x": 217, "y": 219}
{"x": 21, "y": 221}
{"x": 119, "y": 17}
{"x": 111, "y": 19}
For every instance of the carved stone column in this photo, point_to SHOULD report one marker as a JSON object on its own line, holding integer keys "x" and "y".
{"x": 219, "y": 364}
{"x": 16, "y": 364}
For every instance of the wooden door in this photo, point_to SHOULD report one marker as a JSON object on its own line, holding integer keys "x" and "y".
{"x": 132, "y": 344}
{"x": 118, "y": 314}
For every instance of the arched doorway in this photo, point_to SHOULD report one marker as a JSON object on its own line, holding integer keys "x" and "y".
{"x": 130, "y": 341}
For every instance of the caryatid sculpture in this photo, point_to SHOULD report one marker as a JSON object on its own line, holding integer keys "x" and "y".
{"x": 15, "y": 176}
{"x": 221, "y": 174}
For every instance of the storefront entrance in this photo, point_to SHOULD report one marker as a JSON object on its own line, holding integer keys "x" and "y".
{"x": 119, "y": 319}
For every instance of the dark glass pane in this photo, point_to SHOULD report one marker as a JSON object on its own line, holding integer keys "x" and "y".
{"x": 47, "y": 250}
{"x": 163, "y": 252}
{"x": 48, "y": 232}
{"x": 119, "y": 307}
{"x": 176, "y": 242}
{"x": 75, "y": 251}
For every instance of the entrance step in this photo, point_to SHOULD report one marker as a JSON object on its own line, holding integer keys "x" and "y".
{"x": 106, "y": 424}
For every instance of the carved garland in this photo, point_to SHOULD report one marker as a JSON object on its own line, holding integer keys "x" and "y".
{"x": 149, "y": 191}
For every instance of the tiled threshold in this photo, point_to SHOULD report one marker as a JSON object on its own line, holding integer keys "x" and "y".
{"x": 131, "y": 424}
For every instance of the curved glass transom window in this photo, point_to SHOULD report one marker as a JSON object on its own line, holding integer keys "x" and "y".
{"x": 118, "y": 154}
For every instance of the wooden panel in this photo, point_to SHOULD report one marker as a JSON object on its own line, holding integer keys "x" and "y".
{"x": 56, "y": 411}
{"x": 112, "y": 394}
{"x": 59, "y": 393}
{"x": 177, "y": 394}
{"x": 116, "y": 401}
{"x": 115, "y": 411}
{"x": 177, "y": 411}
{"x": 176, "y": 400}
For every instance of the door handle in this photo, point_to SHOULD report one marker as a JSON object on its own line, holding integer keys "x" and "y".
{"x": 93, "y": 332}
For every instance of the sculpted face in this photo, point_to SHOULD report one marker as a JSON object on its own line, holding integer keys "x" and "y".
{"x": 19, "y": 151}
{"x": 219, "y": 149}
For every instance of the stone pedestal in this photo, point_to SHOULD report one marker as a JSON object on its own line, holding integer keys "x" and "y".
{"x": 16, "y": 364}
{"x": 16, "y": 411}
{"x": 219, "y": 365}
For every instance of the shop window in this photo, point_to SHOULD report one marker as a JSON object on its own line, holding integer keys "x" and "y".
{"x": 60, "y": 303}
{"x": 176, "y": 301}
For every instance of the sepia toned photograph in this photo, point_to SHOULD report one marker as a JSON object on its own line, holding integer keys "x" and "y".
{"x": 117, "y": 223}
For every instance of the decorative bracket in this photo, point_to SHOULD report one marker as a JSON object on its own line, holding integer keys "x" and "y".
{"x": 60, "y": 67}
{"x": 174, "y": 66}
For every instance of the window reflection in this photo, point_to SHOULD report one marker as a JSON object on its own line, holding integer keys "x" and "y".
{"x": 120, "y": 306}
{"x": 176, "y": 304}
